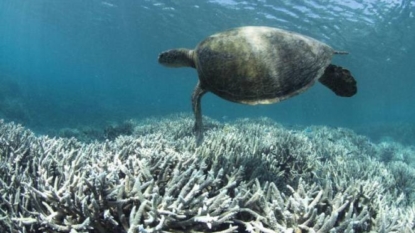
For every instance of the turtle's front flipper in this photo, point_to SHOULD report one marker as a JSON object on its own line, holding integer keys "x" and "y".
{"x": 197, "y": 110}
{"x": 339, "y": 80}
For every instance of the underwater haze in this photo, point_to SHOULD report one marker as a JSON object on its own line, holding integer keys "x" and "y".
{"x": 97, "y": 137}
{"x": 69, "y": 64}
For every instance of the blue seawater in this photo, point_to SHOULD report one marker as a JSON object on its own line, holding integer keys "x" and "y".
{"x": 73, "y": 63}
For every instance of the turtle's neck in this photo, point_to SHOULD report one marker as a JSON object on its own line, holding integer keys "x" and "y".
{"x": 190, "y": 57}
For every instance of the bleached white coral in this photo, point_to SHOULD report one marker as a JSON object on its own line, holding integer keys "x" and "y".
{"x": 249, "y": 176}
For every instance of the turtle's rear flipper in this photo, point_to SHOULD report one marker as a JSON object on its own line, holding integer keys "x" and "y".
{"x": 339, "y": 80}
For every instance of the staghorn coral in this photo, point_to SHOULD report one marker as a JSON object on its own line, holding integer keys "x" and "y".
{"x": 249, "y": 176}
{"x": 392, "y": 152}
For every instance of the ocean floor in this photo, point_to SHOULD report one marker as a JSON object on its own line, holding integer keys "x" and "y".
{"x": 249, "y": 175}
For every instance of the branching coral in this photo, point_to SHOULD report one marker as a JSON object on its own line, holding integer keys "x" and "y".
{"x": 250, "y": 176}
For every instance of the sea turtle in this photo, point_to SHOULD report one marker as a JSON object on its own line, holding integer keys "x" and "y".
{"x": 259, "y": 65}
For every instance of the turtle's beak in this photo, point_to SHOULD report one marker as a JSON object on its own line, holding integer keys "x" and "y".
{"x": 163, "y": 58}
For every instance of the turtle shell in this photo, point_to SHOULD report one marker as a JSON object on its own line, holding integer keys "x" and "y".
{"x": 260, "y": 65}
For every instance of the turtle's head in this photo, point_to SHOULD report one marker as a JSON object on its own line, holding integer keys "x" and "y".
{"x": 177, "y": 58}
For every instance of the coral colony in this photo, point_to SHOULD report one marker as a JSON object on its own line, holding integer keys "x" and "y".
{"x": 247, "y": 176}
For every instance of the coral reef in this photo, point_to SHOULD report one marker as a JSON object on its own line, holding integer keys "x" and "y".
{"x": 89, "y": 134}
{"x": 248, "y": 176}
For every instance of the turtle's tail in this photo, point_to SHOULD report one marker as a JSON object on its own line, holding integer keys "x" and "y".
{"x": 341, "y": 52}
{"x": 339, "y": 80}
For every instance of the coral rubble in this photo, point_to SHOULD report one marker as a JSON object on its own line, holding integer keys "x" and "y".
{"x": 248, "y": 176}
